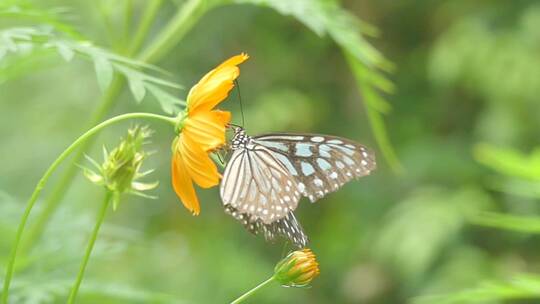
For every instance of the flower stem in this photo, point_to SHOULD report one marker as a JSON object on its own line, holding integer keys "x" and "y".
{"x": 41, "y": 184}
{"x": 60, "y": 188}
{"x": 89, "y": 247}
{"x": 175, "y": 30}
{"x": 252, "y": 291}
{"x": 151, "y": 11}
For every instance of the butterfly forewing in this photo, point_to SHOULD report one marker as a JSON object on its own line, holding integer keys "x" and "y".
{"x": 256, "y": 183}
{"x": 320, "y": 164}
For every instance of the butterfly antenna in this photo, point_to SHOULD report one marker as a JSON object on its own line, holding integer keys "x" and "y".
{"x": 240, "y": 99}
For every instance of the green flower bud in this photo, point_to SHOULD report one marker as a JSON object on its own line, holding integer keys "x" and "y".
{"x": 120, "y": 170}
{"x": 297, "y": 269}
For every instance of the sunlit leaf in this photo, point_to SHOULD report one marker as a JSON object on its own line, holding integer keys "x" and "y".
{"x": 509, "y": 161}
{"x": 524, "y": 224}
{"x": 419, "y": 227}
{"x": 105, "y": 62}
{"x": 523, "y": 286}
{"x": 169, "y": 103}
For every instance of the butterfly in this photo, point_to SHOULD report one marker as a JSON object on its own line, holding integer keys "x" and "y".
{"x": 267, "y": 175}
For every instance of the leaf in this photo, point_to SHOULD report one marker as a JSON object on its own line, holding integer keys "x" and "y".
{"x": 522, "y": 286}
{"x": 375, "y": 106}
{"x": 105, "y": 62}
{"x": 309, "y": 12}
{"x": 137, "y": 87}
{"x": 65, "y": 51}
{"x": 524, "y": 224}
{"x": 3, "y": 52}
{"x": 104, "y": 72}
{"x": 509, "y": 161}
{"x": 169, "y": 103}
{"x": 418, "y": 228}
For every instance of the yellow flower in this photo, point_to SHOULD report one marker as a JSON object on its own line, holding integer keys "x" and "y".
{"x": 202, "y": 130}
{"x": 297, "y": 269}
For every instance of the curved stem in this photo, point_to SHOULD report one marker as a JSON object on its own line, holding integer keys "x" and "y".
{"x": 41, "y": 184}
{"x": 89, "y": 247}
{"x": 60, "y": 187}
{"x": 252, "y": 291}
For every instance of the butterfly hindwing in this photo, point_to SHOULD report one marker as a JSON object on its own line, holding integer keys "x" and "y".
{"x": 320, "y": 164}
{"x": 287, "y": 227}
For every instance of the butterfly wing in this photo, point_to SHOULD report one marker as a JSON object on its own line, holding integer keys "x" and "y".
{"x": 287, "y": 227}
{"x": 320, "y": 164}
{"x": 257, "y": 183}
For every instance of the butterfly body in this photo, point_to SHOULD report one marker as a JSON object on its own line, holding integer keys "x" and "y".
{"x": 267, "y": 175}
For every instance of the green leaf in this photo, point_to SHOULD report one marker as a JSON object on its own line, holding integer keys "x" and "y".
{"x": 525, "y": 224}
{"x": 309, "y": 12}
{"x": 105, "y": 62}
{"x": 522, "y": 286}
{"x": 418, "y": 228}
{"x": 375, "y": 107}
{"x": 104, "y": 72}
{"x": 137, "y": 87}
{"x": 65, "y": 51}
{"x": 509, "y": 161}
{"x": 168, "y": 102}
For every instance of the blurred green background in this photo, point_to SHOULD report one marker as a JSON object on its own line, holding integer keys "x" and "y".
{"x": 457, "y": 224}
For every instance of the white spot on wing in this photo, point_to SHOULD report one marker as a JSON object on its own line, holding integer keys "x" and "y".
{"x": 317, "y": 139}
{"x": 323, "y": 164}
{"x": 303, "y": 150}
{"x": 281, "y": 137}
{"x": 307, "y": 168}
{"x": 335, "y": 141}
{"x": 348, "y": 160}
{"x": 286, "y": 162}
{"x": 272, "y": 144}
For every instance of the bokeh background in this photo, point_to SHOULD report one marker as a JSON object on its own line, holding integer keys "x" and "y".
{"x": 453, "y": 222}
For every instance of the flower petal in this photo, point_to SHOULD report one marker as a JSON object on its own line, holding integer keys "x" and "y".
{"x": 201, "y": 168}
{"x": 207, "y": 129}
{"x": 182, "y": 184}
{"x": 215, "y": 85}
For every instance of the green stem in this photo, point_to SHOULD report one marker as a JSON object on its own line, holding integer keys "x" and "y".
{"x": 175, "y": 30}
{"x": 51, "y": 202}
{"x": 252, "y": 291}
{"x": 128, "y": 20}
{"x": 144, "y": 27}
{"x": 89, "y": 247}
{"x": 41, "y": 184}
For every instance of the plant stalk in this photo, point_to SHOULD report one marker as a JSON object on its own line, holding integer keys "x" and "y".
{"x": 42, "y": 182}
{"x": 252, "y": 291}
{"x": 89, "y": 247}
